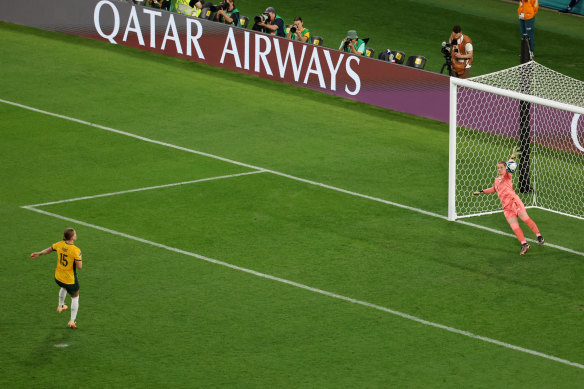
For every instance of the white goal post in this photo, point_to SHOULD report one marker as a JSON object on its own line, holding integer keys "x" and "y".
{"x": 530, "y": 107}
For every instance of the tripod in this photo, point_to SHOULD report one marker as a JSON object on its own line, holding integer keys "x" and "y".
{"x": 447, "y": 65}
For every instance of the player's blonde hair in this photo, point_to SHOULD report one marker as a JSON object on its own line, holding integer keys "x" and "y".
{"x": 68, "y": 233}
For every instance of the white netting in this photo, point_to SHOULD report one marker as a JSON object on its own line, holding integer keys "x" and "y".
{"x": 537, "y": 80}
{"x": 489, "y": 126}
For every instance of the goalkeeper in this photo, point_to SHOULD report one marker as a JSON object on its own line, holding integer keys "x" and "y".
{"x": 513, "y": 207}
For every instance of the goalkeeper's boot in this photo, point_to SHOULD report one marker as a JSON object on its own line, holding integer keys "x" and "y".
{"x": 72, "y": 325}
{"x": 524, "y": 248}
{"x": 540, "y": 240}
{"x": 62, "y": 308}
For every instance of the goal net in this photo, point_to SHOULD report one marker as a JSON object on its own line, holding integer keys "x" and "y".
{"x": 530, "y": 107}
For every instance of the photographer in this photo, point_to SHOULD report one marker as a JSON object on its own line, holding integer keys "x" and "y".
{"x": 352, "y": 44}
{"x": 162, "y": 4}
{"x": 275, "y": 24}
{"x": 230, "y": 15}
{"x": 298, "y": 32}
{"x": 461, "y": 52}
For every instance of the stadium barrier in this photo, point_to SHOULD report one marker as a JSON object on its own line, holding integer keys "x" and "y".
{"x": 562, "y": 4}
{"x": 368, "y": 80}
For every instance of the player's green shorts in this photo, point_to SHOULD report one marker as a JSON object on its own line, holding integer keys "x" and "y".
{"x": 70, "y": 288}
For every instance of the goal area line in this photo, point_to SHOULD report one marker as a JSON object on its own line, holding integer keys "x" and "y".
{"x": 260, "y": 169}
{"x": 143, "y": 189}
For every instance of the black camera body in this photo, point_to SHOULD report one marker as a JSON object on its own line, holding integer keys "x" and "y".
{"x": 293, "y": 29}
{"x": 223, "y": 6}
{"x": 446, "y": 51}
{"x": 346, "y": 42}
{"x": 263, "y": 18}
{"x": 446, "y": 47}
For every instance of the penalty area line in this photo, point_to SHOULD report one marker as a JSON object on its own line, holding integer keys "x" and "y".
{"x": 314, "y": 290}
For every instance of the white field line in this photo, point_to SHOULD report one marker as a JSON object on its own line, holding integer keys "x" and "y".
{"x": 418, "y": 210}
{"x": 145, "y": 188}
{"x": 513, "y": 236}
{"x": 221, "y": 158}
{"x": 315, "y": 290}
{"x": 129, "y": 134}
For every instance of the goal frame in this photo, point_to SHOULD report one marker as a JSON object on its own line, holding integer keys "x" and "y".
{"x": 468, "y": 83}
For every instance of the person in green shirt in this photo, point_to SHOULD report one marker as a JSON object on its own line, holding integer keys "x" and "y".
{"x": 352, "y": 44}
{"x": 230, "y": 15}
{"x": 275, "y": 23}
{"x": 298, "y": 32}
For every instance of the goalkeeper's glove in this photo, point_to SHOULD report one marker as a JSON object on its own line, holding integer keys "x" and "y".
{"x": 477, "y": 192}
{"x": 515, "y": 153}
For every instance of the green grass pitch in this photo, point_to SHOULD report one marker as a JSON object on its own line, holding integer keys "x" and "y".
{"x": 282, "y": 277}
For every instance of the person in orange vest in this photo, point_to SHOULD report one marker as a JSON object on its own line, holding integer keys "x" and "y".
{"x": 461, "y": 52}
{"x": 526, "y": 12}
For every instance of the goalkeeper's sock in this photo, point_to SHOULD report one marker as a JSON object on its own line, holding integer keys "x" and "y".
{"x": 62, "y": 295}
{"x": 74, "y": 307}
{"x": 517, "y": 230}
{"x": 531, "y": 224}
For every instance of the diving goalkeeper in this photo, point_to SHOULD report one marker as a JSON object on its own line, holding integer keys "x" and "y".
{"x": 512, "y": 205}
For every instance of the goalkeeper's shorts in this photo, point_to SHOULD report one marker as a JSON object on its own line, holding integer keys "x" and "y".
{"x": 514, "y": 209}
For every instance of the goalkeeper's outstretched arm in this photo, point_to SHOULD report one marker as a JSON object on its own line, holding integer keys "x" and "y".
{"x": 488, "y": 190}
{"x": 515, "y": 153}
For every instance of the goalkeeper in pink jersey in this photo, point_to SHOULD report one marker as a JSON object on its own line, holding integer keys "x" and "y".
{"x": 513, "y": 207}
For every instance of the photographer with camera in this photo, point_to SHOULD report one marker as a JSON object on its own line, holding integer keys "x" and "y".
{"x": 271, "y": 23}
{"x": 298, "y": 32}
{"x": 162, "y": 4}
{"x": 352, "y": 44}
{"x": 228, "y": 14}
{"x": 461, "y": 52}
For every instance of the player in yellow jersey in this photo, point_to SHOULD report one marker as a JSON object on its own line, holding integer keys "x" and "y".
{"x": 68, "y": 262}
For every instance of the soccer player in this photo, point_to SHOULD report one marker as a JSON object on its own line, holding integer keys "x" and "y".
{"x": 68, "y": 262}
{"x": 512, "y": 205}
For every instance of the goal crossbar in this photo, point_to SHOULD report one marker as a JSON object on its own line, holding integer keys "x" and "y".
{"x": 514, "y": 95}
